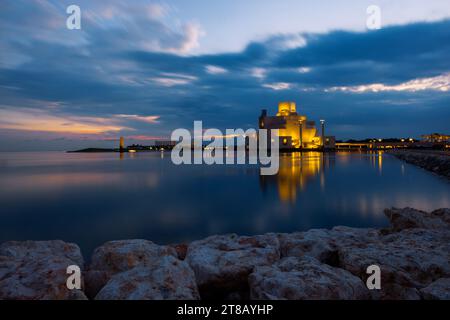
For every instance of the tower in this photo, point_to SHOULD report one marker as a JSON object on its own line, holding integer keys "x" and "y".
{"x": 122, "y": 144}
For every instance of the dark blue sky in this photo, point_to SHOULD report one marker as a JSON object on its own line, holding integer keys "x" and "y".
{"x": 144, "y": 69}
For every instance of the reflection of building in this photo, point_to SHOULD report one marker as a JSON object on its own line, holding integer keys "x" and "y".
{"x": 295, "y": 131}
{"x": 436, "y": 138}
{"x": 296, "y": 170}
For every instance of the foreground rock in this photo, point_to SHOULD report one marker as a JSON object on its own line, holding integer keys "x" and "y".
{"x": 169, "y": 279}
{"x": 409, "y": 260}
{"x": 222, "y": 263}
{"x": 438, "y": 290}
{"x": 413, "y": 255}
{"x": 305, "y": 279}
{"x": 36, "y": 270}
{"x": 323, "y": 244}
{"x": 409, "y": 218}
{"x": 139, "y": 269}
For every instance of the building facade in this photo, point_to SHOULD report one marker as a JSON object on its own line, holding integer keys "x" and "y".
{"x": 295, "y": 130}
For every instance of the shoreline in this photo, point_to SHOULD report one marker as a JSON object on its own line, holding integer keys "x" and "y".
{"x": 413, "y": 255}
{"x": 434, "y": 161}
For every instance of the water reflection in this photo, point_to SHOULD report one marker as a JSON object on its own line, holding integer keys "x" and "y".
{"x": 296, "y": 170}
{"x": 93, "y": 198}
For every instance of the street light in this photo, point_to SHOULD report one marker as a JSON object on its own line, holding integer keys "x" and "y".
{"x": 322, "y": 123}
{"x": 301, "y": 133}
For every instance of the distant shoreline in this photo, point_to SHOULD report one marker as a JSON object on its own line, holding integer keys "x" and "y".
{"x": 435, "y": 161}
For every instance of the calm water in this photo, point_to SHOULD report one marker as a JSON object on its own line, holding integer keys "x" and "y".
{"x": 93, "y": 198}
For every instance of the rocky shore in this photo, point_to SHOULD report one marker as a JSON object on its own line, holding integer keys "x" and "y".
{"x": 434, "y": 161}
{"x": 413, "y": 254}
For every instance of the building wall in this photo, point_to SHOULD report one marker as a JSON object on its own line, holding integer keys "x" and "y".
{"x": 287, "y": 121}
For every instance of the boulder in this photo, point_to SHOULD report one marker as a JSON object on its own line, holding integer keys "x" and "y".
{"x": 324, "y": 244}
{"x": 118, "y": 256}
{"x": 304, "y": 278}
{"x": 408, "y": 218}
{"x": 123, "y": 255}
{"x": 409, "y": 260}
{"x": 223, "y": 263}
{"x": 443, "y": 214}
{"x": 166, "y": 279}
{"x": 438, "y": 290}
{"x": 139, "y": 269}
{"x": 36, "y": 270}
{"x": 181, "y": 250}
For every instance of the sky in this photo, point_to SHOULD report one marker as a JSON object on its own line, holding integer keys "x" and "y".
{"x": 141, "y": 69}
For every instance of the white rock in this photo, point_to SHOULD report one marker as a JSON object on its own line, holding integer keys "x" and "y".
{"x": 166, "y": 279}
{"x": 224, "y": 262}
{"x": 36, "y": 270}
{"x": 305, "y": 278}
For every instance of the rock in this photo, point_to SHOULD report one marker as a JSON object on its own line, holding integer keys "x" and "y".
{"x": 167, "y": 279}
{"x": 409, "y": 260}
{"x": 443, "y": 214}
{"x": 304, "y": 278}
{"x": 139, "y": 269}
{"x": 438, "y": 290}
{"x": 181, "y": 250}
{"x": 435, "y": 161}
{"x": 408, "y": 218}
{"x": 123, "y": 255}
{"x": 36, "y": 270}
{"x": 223, "y": 263}
{"x": 119, "y": 256}
{"x": 324, "y": 244}
{"x": 95, "y": 280}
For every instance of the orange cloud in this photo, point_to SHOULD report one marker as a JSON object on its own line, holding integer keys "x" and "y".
{"x": 36, "y": 120}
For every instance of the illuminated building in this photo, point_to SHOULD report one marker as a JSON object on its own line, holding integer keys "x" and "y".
{"x": 165, "y": 143}
{"x": 436, "y": 138}
{"x": 295, "y": 131}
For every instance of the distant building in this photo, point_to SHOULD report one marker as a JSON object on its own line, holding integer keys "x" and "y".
{"x": 436, "y": 138}
{"x": 165, "y": 143}
{"x": 295, "y": 131}
{"x": 122, "y": 143}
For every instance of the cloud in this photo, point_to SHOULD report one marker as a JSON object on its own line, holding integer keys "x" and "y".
{"x": 439, "y": 83}
{"x": 134, "y": 61}
{"x": 277, "y": 86}
{"x": 174, "y": 79}
{"x": 215, "y": 70}
{"x": 147, "y": 119}
{"x": 41, "y": 121}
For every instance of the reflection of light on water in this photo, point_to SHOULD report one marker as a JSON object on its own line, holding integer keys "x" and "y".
{"x": 296, "y": 169}
{"x": 53, "y": 182}
{"x": 380, "y": 162}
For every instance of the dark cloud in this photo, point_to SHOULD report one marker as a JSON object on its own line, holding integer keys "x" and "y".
{"x": 135, "y": 64}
